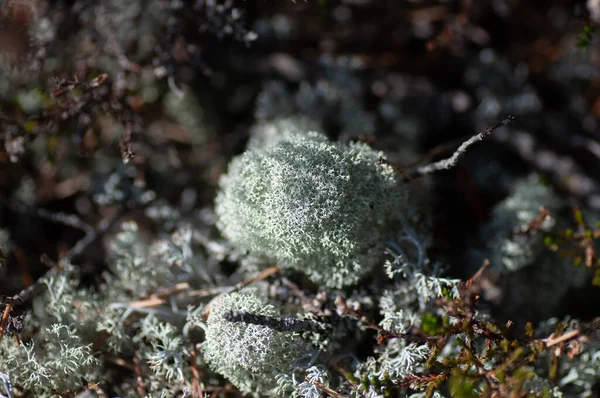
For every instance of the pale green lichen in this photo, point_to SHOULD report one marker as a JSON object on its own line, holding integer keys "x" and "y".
{"x": 322, "y": 208}
{"x": 249, "y": 355}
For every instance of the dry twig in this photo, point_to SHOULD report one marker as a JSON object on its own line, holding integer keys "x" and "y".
{"x": 450, "y": 162}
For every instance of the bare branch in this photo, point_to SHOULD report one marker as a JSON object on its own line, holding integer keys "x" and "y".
{"x": 450, "y": 162}
{"x": 91, "y": 235}
{"x": 324, "y": 388}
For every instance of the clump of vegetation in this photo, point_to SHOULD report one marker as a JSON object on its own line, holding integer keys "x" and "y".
{"x": 319, "y": 207}
{"x": 246, "y": 352}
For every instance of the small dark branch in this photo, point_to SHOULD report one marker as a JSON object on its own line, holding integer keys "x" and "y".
{"x": 450, "y": 162}
{"x": 554, "y": 363}
{"x": 91, "y": 235}
{"x": 21, "y": 261}
{"x": 63, "y": 85}
{"x": 280, "y": 324}
{"x": 477, "y": 276}
{"x": 294, "y": 289}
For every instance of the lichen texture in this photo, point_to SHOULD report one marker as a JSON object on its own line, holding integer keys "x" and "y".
{"x": 250, "y": 356}
{"x": 319, "y": 207}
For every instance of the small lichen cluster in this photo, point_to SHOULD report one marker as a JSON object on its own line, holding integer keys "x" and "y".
{"x": 249, "y": 355}
{"x": 404, "y": 306}
{"x": 72, "y": 318}
{"x": 57, "y": 364}
{"x": 319, "y": 207}
{"x": 512, "y": 244}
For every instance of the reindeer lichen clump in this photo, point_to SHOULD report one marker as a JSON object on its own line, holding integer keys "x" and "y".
{"x": 320, "y": 207}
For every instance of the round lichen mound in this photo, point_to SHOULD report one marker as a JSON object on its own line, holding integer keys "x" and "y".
{"x": 250, "y": 356}
{"x": 320, "y": 207}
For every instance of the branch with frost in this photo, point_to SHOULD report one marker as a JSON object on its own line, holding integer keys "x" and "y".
{"x": 450, "y": 162}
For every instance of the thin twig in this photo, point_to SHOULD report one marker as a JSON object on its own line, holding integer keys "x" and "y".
{"x": 4, "y": 321}
{"x": 450, "y": 162}
{"x": 205, "y": 292}
{"x": 258, "y": 277}
{"x": 160, "y": 297}
{"x": 325, "y": 389}
{"x": 59, "y": 217}
{"x": 91, "y": 235}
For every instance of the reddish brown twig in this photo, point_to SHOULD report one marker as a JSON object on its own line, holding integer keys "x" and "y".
{"x": 139, "y": 376}
{"x": 197, "y": 390}
{"x": 4, "y": 321}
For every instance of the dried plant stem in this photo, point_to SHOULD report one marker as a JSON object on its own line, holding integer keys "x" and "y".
{"x": 450, "y": 162}
{"x": 4, "y": 320}
{"x": 325, "y": 389}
